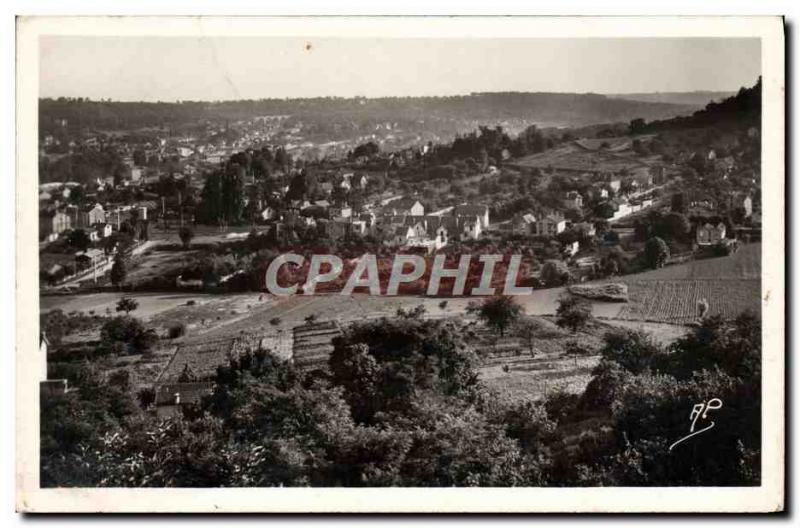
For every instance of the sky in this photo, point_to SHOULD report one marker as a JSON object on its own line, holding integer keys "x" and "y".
{"x": 225, "y": 68}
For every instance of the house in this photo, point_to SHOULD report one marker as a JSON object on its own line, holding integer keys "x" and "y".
{"x": 622, "y": 209}
{"x": 105, "y": 230}
{"x": 551, "y": 225}
{"x": 615, "y": 185}
{"x": 90, "y": 259}
{"x": 481, "y": 211}
{"x": 135, "y": 174}
{"x": 709, "y": 234}
{"x": 343, "y": 211}
{"x": 92, "y": 215}
{"x": 171, "y": 397}
{"x": 94, "y": 235}
{"x": 400, "y": 235}
{"x": 53, "y": 223}
{"x": 587, "y": 228}
{"x": 471, "y": 227}
{"x": 405, "y": 206}
{"x": 524, "y": 224}
{"x": 572, "y": 248}
{"x": 573, "y": 200}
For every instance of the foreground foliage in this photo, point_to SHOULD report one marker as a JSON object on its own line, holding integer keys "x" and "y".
{"x": 400, "y": 404}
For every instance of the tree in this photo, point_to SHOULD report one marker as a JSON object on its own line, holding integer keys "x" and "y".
{"x": 127, "y": 305}
{"x": 678, "y": 203}
{"x": 118, "y": 271}
{"x": 368, "y": 149}
{"x": 527, "y": 329}
{"x": 636, "y": 126}
{"x": 554, "y": 273}
{"x": 126, "y": 334}
{"x": 604, "y": 210}
{"x": 498, "y": 312}
{"x": 79, "y": 240}
{"x": 573, "y": 312}
{"x": 186, "y": 234}
{"x": 675, "y": 226}
{"x": 656, "y": 252}
{"x": 146, "y": 397}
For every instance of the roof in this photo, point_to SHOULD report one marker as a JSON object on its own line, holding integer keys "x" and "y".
{"x": 405, "y": 202}
{"x": 470, "y": 210}
{"x": 89, "y": 253}
{"x": 401, "y": 230}
{"x": 190, "y": 392}
{"x": 553, "y": 218}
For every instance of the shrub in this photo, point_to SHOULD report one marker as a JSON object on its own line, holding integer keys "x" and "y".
{"x": 656, "y": 252}
{"x": 573, "y": 313}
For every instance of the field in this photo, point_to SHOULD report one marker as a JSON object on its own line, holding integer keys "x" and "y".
{"x": 671, "y": 294}
{"x": 580, "y": 158}
{"x": 676, "y": 301}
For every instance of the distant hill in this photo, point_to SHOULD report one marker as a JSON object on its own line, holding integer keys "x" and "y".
{"x": 700, "y": 98}
{"x": 558, "y": 109}
{"x": 740, "y": 110}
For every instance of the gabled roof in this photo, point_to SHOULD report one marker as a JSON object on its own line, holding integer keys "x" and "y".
{"x": 470, "y": 210}
{"x": 404, "y": 203}
{"x": 190, "y": 392}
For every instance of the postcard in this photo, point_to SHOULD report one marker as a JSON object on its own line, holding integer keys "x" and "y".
{"x": 400, "y": 264}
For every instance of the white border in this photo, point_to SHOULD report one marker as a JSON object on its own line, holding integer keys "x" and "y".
{"x": 767, "y": 497}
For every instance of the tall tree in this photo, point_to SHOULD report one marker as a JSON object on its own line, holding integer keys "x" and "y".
{"x": 498, "y": 312}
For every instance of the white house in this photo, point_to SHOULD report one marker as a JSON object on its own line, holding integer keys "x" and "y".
{"x": 551, "y": 225}
{"x": 405, "y": 206}
{"x": 481, "y": 211}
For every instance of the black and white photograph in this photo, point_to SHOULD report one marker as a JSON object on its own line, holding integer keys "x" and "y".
{"x": 352, "y": 256}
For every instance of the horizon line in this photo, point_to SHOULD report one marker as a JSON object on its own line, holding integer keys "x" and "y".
{"x": 367, "y": 97}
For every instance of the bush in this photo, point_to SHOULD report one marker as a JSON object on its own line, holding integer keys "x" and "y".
{"x": 573, "y": 313}
{"x": 125, "y": 334}
{"x": 656, "y": 252}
